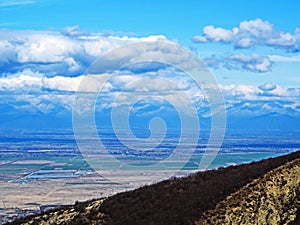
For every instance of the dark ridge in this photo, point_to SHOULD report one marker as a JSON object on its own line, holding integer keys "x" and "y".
{"x": 177, "y": 201}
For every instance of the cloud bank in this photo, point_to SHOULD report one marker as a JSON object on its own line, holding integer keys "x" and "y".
{"x": 48, "y": 94}
{"x": 41, "y": 70}
{"x": 68, "y": 53}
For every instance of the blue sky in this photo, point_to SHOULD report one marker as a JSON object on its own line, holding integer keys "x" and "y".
{"x": 252, "y": 48}
{"x": 175, "y": 19}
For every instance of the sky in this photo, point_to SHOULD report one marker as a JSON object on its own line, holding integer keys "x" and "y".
{"x": 252, "y": 48}
{"x": 175, "y": 19}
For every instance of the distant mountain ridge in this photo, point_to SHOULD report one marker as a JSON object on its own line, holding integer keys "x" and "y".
{"x": 196, "y": 199}
{"x": 249, "y": 115}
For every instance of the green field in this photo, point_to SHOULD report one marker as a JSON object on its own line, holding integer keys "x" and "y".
{"x": 10, "y": 165}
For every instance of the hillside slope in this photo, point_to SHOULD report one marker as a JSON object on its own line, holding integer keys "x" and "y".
{"x": 273, "y": 199}
{"x": 189, "y": 199}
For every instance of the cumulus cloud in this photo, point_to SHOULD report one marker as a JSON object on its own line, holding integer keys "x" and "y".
{"x": 267, "y": 87}
{"x": 26, "y": 83}
{"x": 252, "y": 33}
{"x": 253, "y": 62}
{"x": 68, "y": 53}
{"x": 212, "y": 34}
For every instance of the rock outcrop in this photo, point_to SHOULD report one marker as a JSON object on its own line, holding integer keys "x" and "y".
{"x": 273, "y": 199}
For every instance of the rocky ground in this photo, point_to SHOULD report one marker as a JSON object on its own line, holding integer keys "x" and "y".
{"x": 273, "y": 199}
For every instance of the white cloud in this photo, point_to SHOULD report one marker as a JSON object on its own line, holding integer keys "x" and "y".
{"x": 7, "y": 3}
{"x": 238, "y": 92}
{"x": 60, "y": 83}
{"x": 52, "y": 53}
{"x": 256, "y": 28}
{"x": 267, "y": 87}
{"x": 266, "y": 91}
{"x": 250, "y": 100}
{"x": 129, "y": 87}
{"x": 280, "y": 58}
{"x": 74, "y": 31}
{"x": 251, "y": 33}
{"x": 253, "y": 62}
{"x": 28, "y": 56}
{"x": 47, "y": 94}
{"x": 7, "y": 52}
{"x": 45, "y": 49}
{"x": 28, "y": 81}
{"x": 216, "y": 34}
